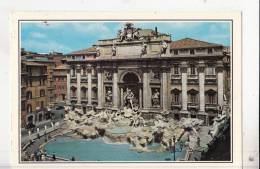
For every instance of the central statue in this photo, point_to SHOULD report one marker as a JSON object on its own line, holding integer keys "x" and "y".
{"x": 129, "y": 97}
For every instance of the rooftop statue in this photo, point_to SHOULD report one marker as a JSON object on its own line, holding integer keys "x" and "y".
{"x": 128, "y": 33}
{"x": 144, "y": 49}
{"x": 164, "y": 47}
{"x": 113, "y": 50}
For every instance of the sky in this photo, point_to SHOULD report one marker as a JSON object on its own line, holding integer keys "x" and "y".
{"x": 65, "y": 37}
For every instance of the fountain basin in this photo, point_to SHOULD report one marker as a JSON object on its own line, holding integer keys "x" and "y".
{"x": 99, "y": 150}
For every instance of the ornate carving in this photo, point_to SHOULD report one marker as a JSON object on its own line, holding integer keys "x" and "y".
{"x": 98, "y": 51}
{"x": 183, "y": 67}
{"x": 108, "y": 76}
{"x": 155, "y": 98}
{"x": 156, "y": 75}
{"x": 113, "y": 50}
{"x": 78, "y": 68}
{"x": 164, "y": 47}
{"x": 128, "y": 98}
{"x": 128, "y": 33}
{"x": 144, "y": 49}
{"x": 201, "y": 66}
{"x": 219, "y": 66}
{"x": 109, "y": 94}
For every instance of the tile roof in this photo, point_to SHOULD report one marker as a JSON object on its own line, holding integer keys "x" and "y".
{"x": 191, "y": 43}
{"x": 61, "y": 67}
{"x": 28, "y": 63}
{"x": 146, "y": 32}
{"x": 84, "y": 51}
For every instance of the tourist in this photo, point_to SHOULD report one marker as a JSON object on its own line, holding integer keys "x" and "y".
{"x": 73, "y": 158}
{"x": 53, "y": 157}
{"x": 43, "y": 157}
{"x": 198, "y": 141}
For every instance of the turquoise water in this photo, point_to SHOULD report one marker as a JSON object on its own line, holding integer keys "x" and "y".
{"x": 119, "y": 130}
{"x": 98, "y": 150}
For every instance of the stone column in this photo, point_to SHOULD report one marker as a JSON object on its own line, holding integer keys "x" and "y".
{"x": 68, "y": 86}
{"x": 140, "y": 97}
{"x": 202, "y": 86}
{"x": 89, "y": 69}
{"x": 184, "y": 86}
{"x": 146, "y": 89}
{"x": 78, "y": 84}
{"x": 122, "y": 96}
{"x": 100, "y": 88}
{"x": 164, "y": 86}
{"x": 220, "y": 82}
{"x": 115, "y": 89}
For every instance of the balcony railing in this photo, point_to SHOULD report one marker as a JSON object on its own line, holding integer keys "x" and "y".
{"x": 193, "y": 105}
{"x": 193, "y": 79}
{"x": 210, "y": 77}
{"x": 192, "y": 76}
{"x": 176, "y": 76}
{"x": 176, "y": 104}
{"x": 73, "y": 97}
{"x": 212, "y": 106}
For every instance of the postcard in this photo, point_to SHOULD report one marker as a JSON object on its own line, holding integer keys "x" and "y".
{"x": 126, "y": 89}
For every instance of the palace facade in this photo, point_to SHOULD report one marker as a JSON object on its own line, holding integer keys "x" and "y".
{"x": 186, "y": 78}
{"x": 39, "y": 75}
{"x": 33, "y": 93}
{"x": 60, "y": 82}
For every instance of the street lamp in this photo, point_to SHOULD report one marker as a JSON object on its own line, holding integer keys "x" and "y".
{"x": 174, "y": 139}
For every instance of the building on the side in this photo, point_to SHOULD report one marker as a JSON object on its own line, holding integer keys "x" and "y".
{"x": 57, "y": 58}
{"x": 147, "y": 69}
{"x": 43, "y": 59}
{"x": 33, "y": 93}
{"x": 60, "y": 81}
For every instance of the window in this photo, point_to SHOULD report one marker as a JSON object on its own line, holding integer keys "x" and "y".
{"x": 175, "y": 52}
{"x": 193, "y": 98}
{"x": 29, "y": 108}
{"x": 73, "y": 72}
{"x": 184, "y": 51}
{"x": 201, "y": 50}
{"x": 192, "y": 70}
{"x": 42, "y": 93}
{"x": 42, "y": 104}
{"x": 210, "y": 51}
{"x": 176, "y": 97}
{"x": 23, "y": 106}
{"x": 28, "y": 95}
{"x": 84, "y": 71}
{"x": 176, "y": 70}
{"x": 211, "y": 99}
{"x": 192, "y": 52}
{"x": 210, "y": 70}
